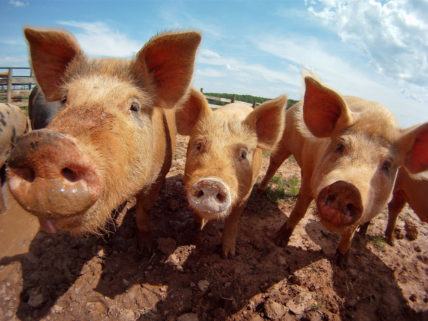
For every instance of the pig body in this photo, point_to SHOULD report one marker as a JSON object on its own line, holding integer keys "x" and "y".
{"x": 13, "y": 123}
{"x": 411, "y": 189}
{"x": 114, "y": 137}
{"x": 224, "y": 156}
{"x": 40, "y": 111}
{"x": 348, "y": 150}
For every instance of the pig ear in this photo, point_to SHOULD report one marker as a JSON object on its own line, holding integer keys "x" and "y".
{"x": 413, "y": 147}
{"x": 51, "y": 51}
{"x": 324, "y": 110}
{"x": 193, "y": 108}
{"x": 167, "y": 61}
{"x": 268, "y": 122}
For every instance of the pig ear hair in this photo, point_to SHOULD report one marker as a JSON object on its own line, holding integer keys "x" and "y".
{"x": 413, "y": 146}
{"x": 168, "y": 61}
{"x": 51, "y": 51}
{"x": 190, "y": 110}
{"x": 268, "y": 121}
{"x": 324, "y": 110}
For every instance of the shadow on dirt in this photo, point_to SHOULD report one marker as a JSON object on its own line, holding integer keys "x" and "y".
{"x": 367, "y": 284}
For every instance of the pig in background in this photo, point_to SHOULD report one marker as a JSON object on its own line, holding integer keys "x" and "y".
{"x": 40, "y": 111}
{"x": 349, "y": 150}
{"x": 224, "y": 156}
{"x": 13, "y": 123}
{"x": 114, "y": 138}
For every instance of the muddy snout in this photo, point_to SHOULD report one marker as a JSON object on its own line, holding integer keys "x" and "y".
{"x": 50, "y": 176}
{"x": 210, "y": 197}
{"x": 340, "y": 204}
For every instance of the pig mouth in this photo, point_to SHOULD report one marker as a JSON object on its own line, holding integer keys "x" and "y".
{"x": 339, "y": 205}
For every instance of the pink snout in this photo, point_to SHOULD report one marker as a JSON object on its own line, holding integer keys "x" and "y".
{"x": 340, "y": 204}
{"x": 51, "y": 177}
{"x": 210, "y": 198}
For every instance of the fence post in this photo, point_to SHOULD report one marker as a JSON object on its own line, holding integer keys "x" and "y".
{"x": 202, "y": 90}
{"x": 9, "y": 85}
{"x": 233, "y": 99}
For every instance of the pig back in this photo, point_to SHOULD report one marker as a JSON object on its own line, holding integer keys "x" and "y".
{"x": 13, "y": 123}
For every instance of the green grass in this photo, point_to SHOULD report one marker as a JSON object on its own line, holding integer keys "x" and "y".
{"x": 281, "y": 188}
{"x": 378, "y": 241}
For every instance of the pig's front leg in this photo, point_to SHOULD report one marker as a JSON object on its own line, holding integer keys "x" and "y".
{"x": 298, "y": 212}
{"x": 230, "y": 231}
{"x": 145, "y": 201}
{"x": 394, "y": 208}
{"x": 342, "y": 252}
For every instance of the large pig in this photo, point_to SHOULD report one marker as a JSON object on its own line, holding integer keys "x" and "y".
{"x": 40, "y": 111}
{"x": 224, "y": 156}
{"x": 114, "y": 138}
{"x": 13, "y": 123}
{"x": 348, "y": 150}
{"x": 411, "y": 189}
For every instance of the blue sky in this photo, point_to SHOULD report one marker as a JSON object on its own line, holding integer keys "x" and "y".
{"x": 374, "y": 49}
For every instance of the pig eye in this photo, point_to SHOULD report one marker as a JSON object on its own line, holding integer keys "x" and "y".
{"x": 243, "y": 154}
{"x": 386, "y": 166}
{"x": 135, "y": 107}
{"x": 340, "y": 148}
{"x": 198, "y": 146}
{"x": 63, "y": 99}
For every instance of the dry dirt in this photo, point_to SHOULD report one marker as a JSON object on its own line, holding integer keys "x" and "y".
{"x": 58, "y": 277}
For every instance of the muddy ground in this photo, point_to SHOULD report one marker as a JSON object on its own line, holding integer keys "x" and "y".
{"x": 58, "y": 277}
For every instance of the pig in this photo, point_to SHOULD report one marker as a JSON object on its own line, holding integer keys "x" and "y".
{"x": 113, "y": 139}
{"x": 13, "y": 123}
{"x": 224, "y": 156}
{"x": 40, "y": 111}
{"x": 411, "y": 189}
{"x": 348, "y": 150}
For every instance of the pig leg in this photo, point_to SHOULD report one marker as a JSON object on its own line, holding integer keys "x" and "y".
{"x": 298, "y": 212}
{"x": 276, "y": 159}
{"x": 145, "y": 201}
{"x": 394, "y": 208}
{"x": 342, "y": 252}
{"x": 230, "y": 231}
{"x": 363, "y": 229}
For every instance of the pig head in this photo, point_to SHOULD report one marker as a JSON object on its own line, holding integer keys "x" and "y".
{"x": 114, "y": 137}
{"x": 349, "y": 150}
{"x": 224, "y": 156}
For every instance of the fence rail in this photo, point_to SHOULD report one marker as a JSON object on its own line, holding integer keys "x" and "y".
{"x": 15, "y": 83}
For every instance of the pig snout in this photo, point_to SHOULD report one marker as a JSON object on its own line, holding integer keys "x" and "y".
{"x": 340, "y": 204}
{"x": 210, "y": 197}
{"x": 50, "y": 176}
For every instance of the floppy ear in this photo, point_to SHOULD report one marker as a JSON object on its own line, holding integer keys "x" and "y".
{"x": 413, "y": 148}
{"x": 324, "y": 110}
{"x": 167, "y": 61}
{"x": 267, "y": 121}
{"x": 193, "y": 108}
{"x": 51, "y": 51}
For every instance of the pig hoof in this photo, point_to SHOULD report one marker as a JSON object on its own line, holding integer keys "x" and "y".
{"x": 390, "y": 241}
{"x": 145, "y": 242}
{"x": 283, "y": 237}
{"x": 341, "y": 260}
{"x": 228, "y": 252}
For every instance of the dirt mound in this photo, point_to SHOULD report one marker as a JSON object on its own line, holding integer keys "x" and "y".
{"x": 58, "y": 277}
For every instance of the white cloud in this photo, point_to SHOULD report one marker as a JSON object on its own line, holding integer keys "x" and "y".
{"x": 14, "y": 61}
{"x": 393, "y": 34}
{"x": 18, "y": 3}
{"x": 98, "y": 39}
{"x": 209, "y": 72}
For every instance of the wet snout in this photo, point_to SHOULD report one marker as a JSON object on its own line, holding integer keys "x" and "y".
{"x": 51, "y": 177}
{"x": 340, "y": 204}
{"x": 210, "y": 197}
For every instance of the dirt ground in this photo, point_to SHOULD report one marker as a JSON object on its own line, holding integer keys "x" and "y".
{"x": 59, "y": 277}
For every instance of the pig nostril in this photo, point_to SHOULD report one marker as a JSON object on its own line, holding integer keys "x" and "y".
{"x": 199, "y": 193}
{"x": 26, "y": 173}
{"x": 220, "y": 197}
{"x": 330, "y": 199}
{"x": 349, "y": 209}
{"x": 69, "y": 174}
